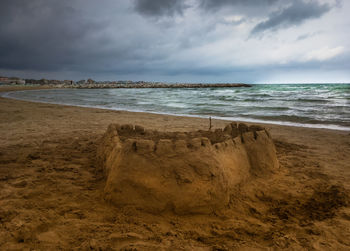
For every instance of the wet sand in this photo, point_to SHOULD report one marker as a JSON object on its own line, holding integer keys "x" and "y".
{"x": 51, "y": 189}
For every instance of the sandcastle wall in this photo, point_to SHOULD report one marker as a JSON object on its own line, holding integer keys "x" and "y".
{"x": 193, "y": 172}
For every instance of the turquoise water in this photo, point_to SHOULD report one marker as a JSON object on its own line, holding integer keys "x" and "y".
{"x": 310, "y": 105}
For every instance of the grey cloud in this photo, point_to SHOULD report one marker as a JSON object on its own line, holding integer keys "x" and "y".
{"x": 298, "y": 12}
{"x": 233, "y": 22}
{"x": 247, "y": 8}
{"x": 217, "y": 4}
{"x": 303, "y": 37}
{"x": 308, "y": 35}
{"x": 156, "y": 8}
{"x": 160, "y": 7}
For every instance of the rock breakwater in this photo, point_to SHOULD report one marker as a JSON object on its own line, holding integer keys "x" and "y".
{"x": 91, "y": 84}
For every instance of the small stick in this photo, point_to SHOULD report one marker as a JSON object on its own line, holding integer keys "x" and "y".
{"x": 209, "y": 123}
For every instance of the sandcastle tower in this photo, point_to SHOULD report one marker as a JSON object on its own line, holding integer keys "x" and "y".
{"x": 193, "y": 172}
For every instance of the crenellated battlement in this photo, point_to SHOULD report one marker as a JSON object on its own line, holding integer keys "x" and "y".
{"x": 193, "y": 139}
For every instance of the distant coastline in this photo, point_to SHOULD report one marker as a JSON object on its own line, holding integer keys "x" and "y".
{"x": 91, "y": 84}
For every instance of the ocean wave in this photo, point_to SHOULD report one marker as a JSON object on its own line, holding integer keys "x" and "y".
{"x": 265, "y": 103}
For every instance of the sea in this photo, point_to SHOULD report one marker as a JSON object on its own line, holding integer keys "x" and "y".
{"x": 306, "y": 105}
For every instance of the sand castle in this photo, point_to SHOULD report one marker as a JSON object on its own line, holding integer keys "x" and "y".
{"x": 192, "y": 172}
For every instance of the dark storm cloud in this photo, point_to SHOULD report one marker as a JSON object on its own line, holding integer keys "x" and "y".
{"x": 81, "y": 36}
{"x": 159, "y": 7}
{"x": 42, "y": 34}
{"x": 298, "y": 12}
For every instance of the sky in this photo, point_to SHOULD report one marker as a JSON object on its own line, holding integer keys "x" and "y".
{"x": 249, "y": 41}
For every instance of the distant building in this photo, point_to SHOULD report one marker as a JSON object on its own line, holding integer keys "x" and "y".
{"x": 17, "y": 81}
{"x": 3, "y": 80}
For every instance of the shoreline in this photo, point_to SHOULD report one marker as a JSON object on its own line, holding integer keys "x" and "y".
{"x": 249, "y": 121}
{"x": 184, "y": 123}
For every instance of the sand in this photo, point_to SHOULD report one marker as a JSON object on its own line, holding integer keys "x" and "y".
{"x": 52, "y": 189}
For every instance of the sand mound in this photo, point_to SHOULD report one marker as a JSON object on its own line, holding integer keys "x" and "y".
{"x": 194, "y": 172}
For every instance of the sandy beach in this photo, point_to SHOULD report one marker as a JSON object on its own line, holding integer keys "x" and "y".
{"x": 51, "y": 189}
